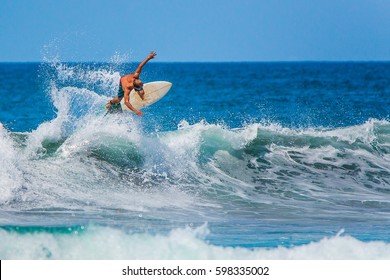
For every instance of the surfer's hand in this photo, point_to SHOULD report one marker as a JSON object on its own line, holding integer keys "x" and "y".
{"x": 108, "y": 106}
{"x": 152, "y": 54}
{"x": 139, "y": 113}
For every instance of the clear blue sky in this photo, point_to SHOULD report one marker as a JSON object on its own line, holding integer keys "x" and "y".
{"x": 195, "y": 30}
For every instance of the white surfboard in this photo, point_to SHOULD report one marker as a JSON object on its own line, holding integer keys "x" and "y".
{"x": 154, "y": 91}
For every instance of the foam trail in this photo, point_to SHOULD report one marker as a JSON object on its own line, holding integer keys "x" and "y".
{"x": 109, "y": 243}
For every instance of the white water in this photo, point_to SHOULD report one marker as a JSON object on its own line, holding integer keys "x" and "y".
{"x": 108, "y": 243}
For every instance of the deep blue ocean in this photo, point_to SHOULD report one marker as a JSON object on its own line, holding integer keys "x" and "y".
{"x": 237, "y": 161}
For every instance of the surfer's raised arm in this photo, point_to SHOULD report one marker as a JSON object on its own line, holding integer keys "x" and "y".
{"x": 142, "y": 64}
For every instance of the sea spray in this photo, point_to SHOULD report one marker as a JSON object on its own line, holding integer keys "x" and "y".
{"x": 11, "y": 178}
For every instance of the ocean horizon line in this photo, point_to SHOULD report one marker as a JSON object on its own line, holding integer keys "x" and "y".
{"x": 208, "y": 62}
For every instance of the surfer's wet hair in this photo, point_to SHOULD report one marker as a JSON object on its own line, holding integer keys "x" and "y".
{"x": 137, "y": 83}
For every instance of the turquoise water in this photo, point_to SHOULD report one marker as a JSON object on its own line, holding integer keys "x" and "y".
{"x": 239, "y": 160}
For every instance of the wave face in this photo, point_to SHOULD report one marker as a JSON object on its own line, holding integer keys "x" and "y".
{"x": 266, "y": 190}
{"x": 258, "y": 165}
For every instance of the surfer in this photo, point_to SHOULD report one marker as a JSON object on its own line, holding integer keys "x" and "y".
{"x": 126, "y": 84}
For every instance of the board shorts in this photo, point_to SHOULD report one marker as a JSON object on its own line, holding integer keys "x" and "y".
{"x": 121, "y": 93}
{"x": 116, "y": 107}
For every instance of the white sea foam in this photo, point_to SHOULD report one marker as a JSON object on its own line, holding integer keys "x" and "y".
{"x": 11, "y": 177}
{"x": 108, "y": 243}
{"x": 365, "y": 133}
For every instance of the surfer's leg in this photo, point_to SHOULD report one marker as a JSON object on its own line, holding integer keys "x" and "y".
{"x": 115, "y": 108}
{"x": 114, "y": 105}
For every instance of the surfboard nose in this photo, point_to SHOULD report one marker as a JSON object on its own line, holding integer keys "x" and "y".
{"x": 166, "y": 84}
